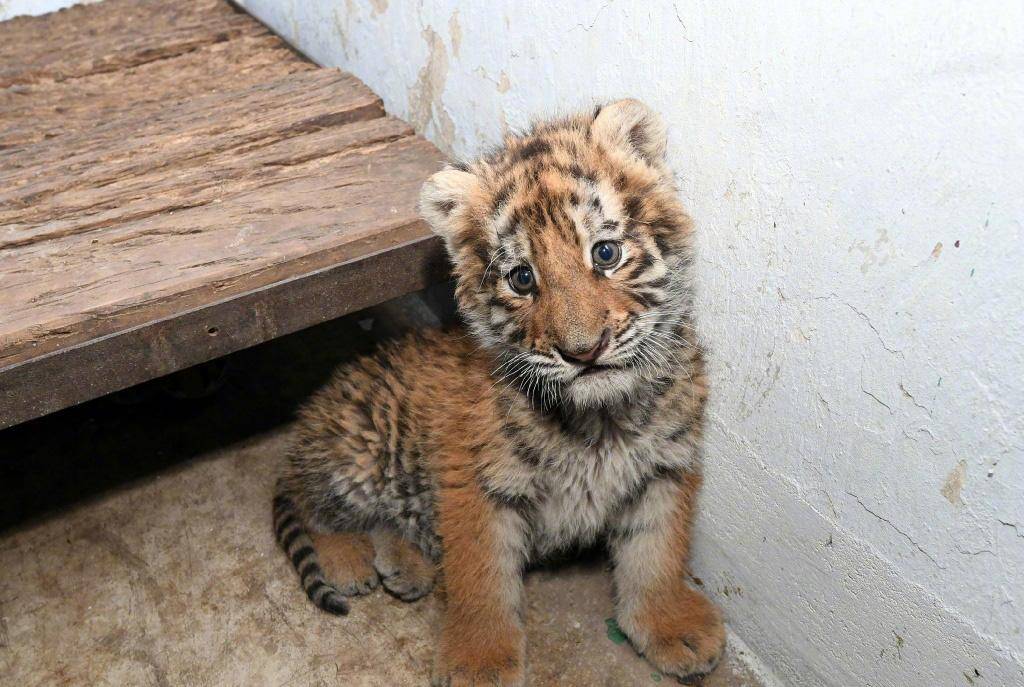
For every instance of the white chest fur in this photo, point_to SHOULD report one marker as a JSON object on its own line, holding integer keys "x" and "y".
{"x": 582, "y": 488}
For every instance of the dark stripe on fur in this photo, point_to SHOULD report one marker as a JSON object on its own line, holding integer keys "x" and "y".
{"x": 308, "y": 568}
{"x": 639, "y": 490}
{"x": 287, "y": 522}
{"x": 681, "y": 431}
{"x": 297, "y": 545}
{"x": 301, "y": 554}
{"x": 287, "y": 541}
{"x": 520, "y": 503}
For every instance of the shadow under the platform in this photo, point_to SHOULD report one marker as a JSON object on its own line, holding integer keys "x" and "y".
{"x": 78, "y": 453}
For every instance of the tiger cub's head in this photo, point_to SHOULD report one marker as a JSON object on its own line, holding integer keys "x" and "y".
{"x": 571, "y": 250}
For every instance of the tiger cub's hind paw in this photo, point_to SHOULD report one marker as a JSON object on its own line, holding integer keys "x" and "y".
{"x": 347, "y": 560}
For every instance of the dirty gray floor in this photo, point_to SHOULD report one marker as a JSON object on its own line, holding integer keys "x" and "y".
{"x": 135, "y": 549}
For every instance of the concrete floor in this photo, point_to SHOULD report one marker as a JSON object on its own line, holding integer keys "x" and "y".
{"x": 135, "y": 549}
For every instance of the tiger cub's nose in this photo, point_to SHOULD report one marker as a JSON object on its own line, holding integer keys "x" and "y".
{"x": 587, "y": 356}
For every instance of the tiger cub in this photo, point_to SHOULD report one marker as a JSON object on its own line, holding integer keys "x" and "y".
{"x": 569, "y": 410}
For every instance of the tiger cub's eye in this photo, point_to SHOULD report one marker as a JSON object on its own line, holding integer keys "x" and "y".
{"x": 521, "y": 279}
{"x": 606, "y": 253}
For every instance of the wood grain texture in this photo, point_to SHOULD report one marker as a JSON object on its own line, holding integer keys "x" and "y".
{"x": 84, "y": 39}
{"x": 173, "y": 158}
{"x": 71, "y": 375}
{"x": 47, "y": 109}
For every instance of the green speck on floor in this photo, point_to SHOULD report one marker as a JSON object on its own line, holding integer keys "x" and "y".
{"x": 614, "y": 631}
{"x": 656, "y": 677}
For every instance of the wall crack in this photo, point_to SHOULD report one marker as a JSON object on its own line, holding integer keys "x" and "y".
{"x": 864, "y": 316}
{"x": 914, "y": 400}
{"x": 1011, "y": 525}
{"x": 596, "y": 17}
{"x": 897, "y": 529}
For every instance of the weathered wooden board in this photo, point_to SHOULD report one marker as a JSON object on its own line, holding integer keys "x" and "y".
{"x": 85, "y": 40}
{"x": 46, "y": 109}
{"x": 177, "y": 184}
{"x": 73, "y": 375}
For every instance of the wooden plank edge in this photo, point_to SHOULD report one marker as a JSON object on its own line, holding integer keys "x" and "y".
{"x": 67, "y": 377}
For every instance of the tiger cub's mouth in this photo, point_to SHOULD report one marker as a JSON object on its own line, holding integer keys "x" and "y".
{"x": 596, "y": 370}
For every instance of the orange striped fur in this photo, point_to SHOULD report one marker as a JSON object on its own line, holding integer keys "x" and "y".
{"x": 568, "y": 410}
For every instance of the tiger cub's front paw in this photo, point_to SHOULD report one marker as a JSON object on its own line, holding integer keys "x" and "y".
{"x": 480, "y": 659}
{"x": 684, "y": 639}
{"x": 692, "y": 655}
{"x": 506, "y": 675}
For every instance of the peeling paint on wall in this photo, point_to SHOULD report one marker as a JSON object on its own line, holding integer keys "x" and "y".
{"x": 455, "y": 33}
{"x": 340, "y": 20}
{"x": 425, "y": 105}
{"x": 875, "y": 253}
{"x": 504, "y": 83}
{"x": 955, "y": 483}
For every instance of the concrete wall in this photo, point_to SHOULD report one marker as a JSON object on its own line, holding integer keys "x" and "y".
{"x": 15, "y": 8}
{"x": 856, "y": 173}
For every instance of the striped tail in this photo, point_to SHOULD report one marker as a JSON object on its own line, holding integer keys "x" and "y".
{"x": 291, "y": 535}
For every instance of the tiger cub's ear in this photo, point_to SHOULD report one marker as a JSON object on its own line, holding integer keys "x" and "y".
{"x": 445, "y": 199}
{"x": 631, "y": 126}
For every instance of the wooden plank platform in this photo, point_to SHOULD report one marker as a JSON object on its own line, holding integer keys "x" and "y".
{"x": 177, "y": 184}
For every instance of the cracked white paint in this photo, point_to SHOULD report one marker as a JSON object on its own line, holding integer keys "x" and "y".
{"x": 855, "y": 170}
